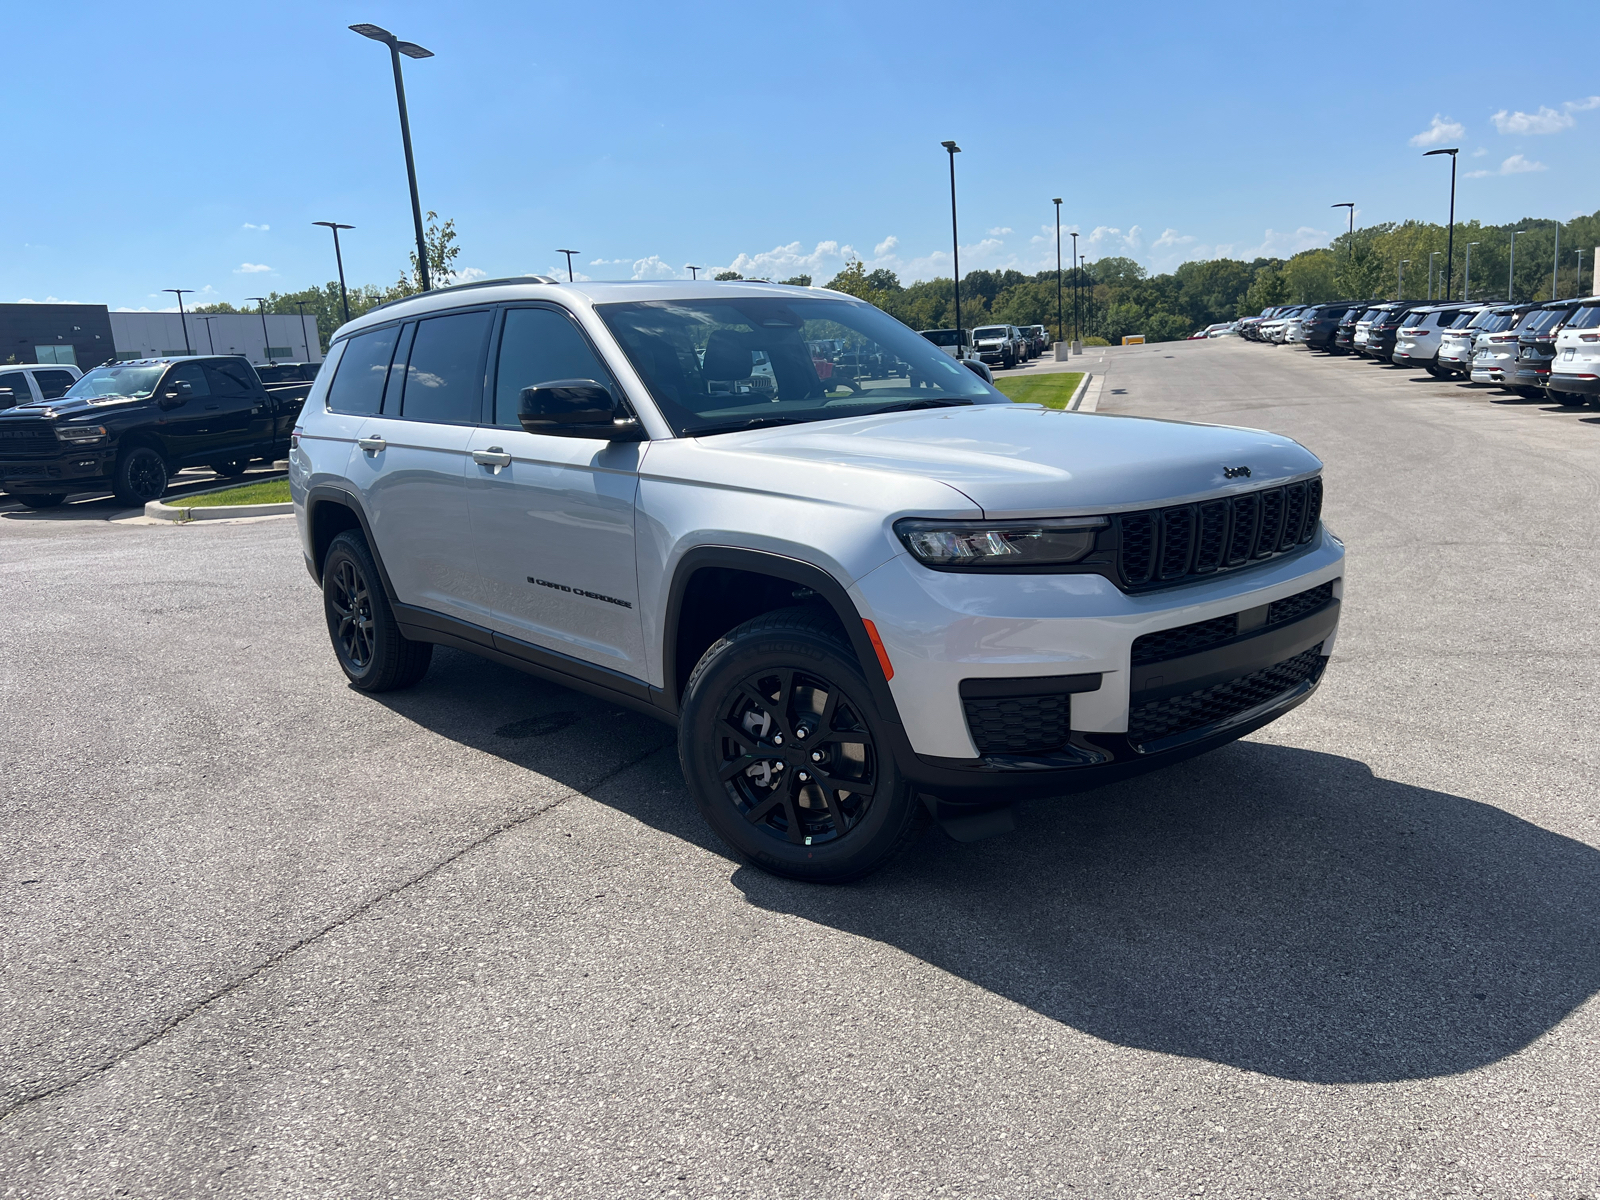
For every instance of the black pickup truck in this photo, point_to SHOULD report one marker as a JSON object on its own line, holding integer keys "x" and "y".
{"x": 129, "y": 426}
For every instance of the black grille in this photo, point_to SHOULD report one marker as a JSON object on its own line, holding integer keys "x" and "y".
{"x": 1191, "y": 639}
{"x": 1017, "y": 724}
{"x": 1208, "y": 706}
{"x": 1168, "y": 545}
{"x": 27, "y": 440}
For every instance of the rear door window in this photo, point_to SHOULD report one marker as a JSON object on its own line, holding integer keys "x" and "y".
{"x": 53, "y": 383}
{"x": 230, "y": 379}
{"x": 444, "y": 376}
{"x": 358, "y": 385}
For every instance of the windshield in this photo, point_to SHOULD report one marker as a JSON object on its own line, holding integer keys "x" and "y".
{"x": 718, "y": 365}
{"x": 989, "y": 333}
{"x": 117, "y": 381}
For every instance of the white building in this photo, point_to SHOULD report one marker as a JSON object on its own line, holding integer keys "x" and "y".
{"x": 161, "y": 335}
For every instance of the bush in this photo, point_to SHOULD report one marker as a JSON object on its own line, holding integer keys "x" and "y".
{"x": 1094, "y": 341}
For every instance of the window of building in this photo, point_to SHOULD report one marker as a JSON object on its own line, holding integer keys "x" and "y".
{"x": 275, "y": 352}
{"x": 55, "y": 354}
{"x": 444, "y": 375}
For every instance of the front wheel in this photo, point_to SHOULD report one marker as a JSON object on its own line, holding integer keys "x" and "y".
{"x": 230, "y": 468}
{"x": 141, "y": 476}
{"x": 372, "y": 653}
{"x": 784, "y": 752}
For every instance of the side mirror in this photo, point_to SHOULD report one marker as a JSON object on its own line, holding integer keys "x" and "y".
{"x": 177, "y": 394}
{"x": 8, "y": 397}
{"x": 576, "y": 408}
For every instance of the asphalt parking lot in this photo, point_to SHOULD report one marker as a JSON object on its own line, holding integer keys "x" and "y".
{"x": 261, "y": 935}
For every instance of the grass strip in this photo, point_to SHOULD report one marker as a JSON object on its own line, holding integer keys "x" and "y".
{"x": 1052, "y": 391}
{"x": 268, "y": 491}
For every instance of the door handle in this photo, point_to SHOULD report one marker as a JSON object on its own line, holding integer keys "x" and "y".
{"x": 211, "y": 407}
{"x": 492, "y": 457}
{"x": 371, "y": 444}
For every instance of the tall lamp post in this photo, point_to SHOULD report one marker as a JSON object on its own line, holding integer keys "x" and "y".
{"x": 1577, "y": 289}
{"x": 410, "y": 50}
{"x": 211, "y": 347}
{"x": 1450, "y": 246}
{"x": 1466, "y": 276}
{"x": 266, "y": 339}
{"x": 1555, "y": 266}
{"x": 344, "y": 297}
{"x": 1061, "y": 333}
{"x": 1077, "y": 330}
{"x": 1351, "y": 205}
{"x": 305, "y": 340}
{"x": 1511, "y": 269}
{"x": 694, "y": 272}
{"x": 1400, "y": 285}
{"x": 955, "y": 237}
{"x": 569, "y": 254}
{"x": 182, "y": 320}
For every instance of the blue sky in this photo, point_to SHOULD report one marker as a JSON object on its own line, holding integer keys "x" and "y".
{"x": 191, "y": 145}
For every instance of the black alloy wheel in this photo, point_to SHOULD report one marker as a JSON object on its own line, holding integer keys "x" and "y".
{"x": 372, "y": 652}
{"x": 44, "y": 500}
{"x": 230, "y": 468}
{"x": 141, "y": 476}
{"x": 784, "y": 754}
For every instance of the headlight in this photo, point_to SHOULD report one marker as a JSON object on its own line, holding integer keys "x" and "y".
{"x": 977, "y": 545}
{"x": 79, "y": 434}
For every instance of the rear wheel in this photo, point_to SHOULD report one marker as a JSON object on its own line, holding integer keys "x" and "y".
{"x": 140, "y": 477}
{"x": 783, "y": 751}
{"x": 45, "y": 500}
{"x": 372, "y": 653}
{"x": 230, "y": 468}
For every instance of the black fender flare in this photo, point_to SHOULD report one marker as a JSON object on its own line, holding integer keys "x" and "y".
{"x": 325, "y": 493}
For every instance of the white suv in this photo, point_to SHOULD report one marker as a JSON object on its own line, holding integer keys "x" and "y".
{"x": 1575, "y": 372}
{"x": 864, "y": 602}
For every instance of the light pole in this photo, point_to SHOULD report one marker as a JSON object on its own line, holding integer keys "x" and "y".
{"x": 1432, "y": 254}
{"x": 1466, "y": 276}
{"x": 1450, "y": 246}
{"x": 569, "y": 254}
{"x": 266, "y": 340}
{"x": 1578, "y": 284}
{"x": 694, "y": 272}
{"x": 1061, "y": 334}
{"x": 955, "y": 237}
{"x": 182, "y": 320}
{"x": 1555, "y": 266}
{"x": 211, "y": 347}
{"x": 1400, "y": 286}
{"x": 304, "y": 340}
{"x": 1077, "y": 331}
{"x": 410, "y": 50}
{"x": 1511, "y": 269}
{"x": 344, "y": 298}
{"x": 1351, "y": 205}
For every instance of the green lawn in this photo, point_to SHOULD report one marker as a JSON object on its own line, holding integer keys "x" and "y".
{"x": 1052, "y": 391}
{"x": 268, "y": 491}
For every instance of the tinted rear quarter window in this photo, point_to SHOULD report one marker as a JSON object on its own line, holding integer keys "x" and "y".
{"x": 357, "y": 387}
{"x": 1585, "y": 318}
{"x": 444, "y": 376}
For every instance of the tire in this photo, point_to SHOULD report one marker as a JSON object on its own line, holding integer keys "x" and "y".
{"x": 44, "y": 500}
{"x": 1008, "y": 361}
{"x": 372, "y": 653}
{"x": 231, "y": 468}
{"x": 140, "y": 477}
{"x": 762, "y": 702}
{"x": 1569, "y": 399}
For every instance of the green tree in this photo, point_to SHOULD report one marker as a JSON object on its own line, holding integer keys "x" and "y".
{"x": 725, "y": 276}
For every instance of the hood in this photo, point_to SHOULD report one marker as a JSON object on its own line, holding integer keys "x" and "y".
{"x": 67, "y": 407}
{"x": 1025, "y": 461}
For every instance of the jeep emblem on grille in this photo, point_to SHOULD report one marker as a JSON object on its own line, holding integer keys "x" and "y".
{"x": 1235, "y": 472}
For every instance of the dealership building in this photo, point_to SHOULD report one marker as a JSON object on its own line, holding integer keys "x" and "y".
{"x": 86, "y": 335}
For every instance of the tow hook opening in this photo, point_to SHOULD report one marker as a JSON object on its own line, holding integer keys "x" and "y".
{"x": 971, "y": 822}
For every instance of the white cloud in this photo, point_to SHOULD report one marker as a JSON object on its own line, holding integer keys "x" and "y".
{"x": 251, "y": 268}
{"x": 822, "y": 263}
{"x": 1583, "y": 105}
{"x": 257, "y": 228}
{"x": 1107, "y": 239}
{"x": 887, "y": 247}
{"x": 1443, "y": 129}
{"x": 1546, "y": 120}
{"x": 654, "y": 268}
{"x": 468, "y": 274}
{"x": 1171, "y": 237}
{"x": 1000, "y": 229}
{"x": 1517, "y": 164}
{"x": 46, "y": 300}
{"x": 1479, "y": 152}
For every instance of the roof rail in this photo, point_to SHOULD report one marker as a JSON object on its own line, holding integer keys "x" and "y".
{"x": 462, "y": 287}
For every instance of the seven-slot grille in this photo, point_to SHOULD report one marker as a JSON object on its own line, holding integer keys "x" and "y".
{"x": 1170, "y": 545}
{"x": 27, "y": 439}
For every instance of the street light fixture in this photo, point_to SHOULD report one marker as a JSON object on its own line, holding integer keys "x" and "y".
{"x": 569, "y": 254}
{"x": 344, "y": 298}
{"x": 1466, "y": 276}
{"x": 1511, "y": 269}
{"x": 211, "y": 346}
{"x": 1077, "y": 329}
{"x": 1450, "y": 246}
{"x": 266, "y": 339}
{"x": 955, "y": 236}
{"x": 1555, "y": 267}
{"x": 1351, "y": 205}
{"x": 182, "y": 320}
{"x": 1400, "y": 286}
{"x": 694, "y": 271}
{"x": 410, "y": 50}
{"x": 1061, "y": 334}
{"x": 1578, "y": 283}
{"x": 304, "y": 340}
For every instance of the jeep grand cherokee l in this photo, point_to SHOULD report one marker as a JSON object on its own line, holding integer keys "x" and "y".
{"x": 864, "y": 603}
{"x": 129, "y": 426}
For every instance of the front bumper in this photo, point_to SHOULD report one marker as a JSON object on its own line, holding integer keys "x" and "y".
{"x": 954, "y": 639}
{"x": 74, "y": 471}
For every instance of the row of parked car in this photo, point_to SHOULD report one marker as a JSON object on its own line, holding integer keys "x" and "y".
{"x": 1549, "y": 350}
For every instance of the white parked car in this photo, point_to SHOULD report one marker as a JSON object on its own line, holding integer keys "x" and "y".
{"x": 1494, "y": 355}
{"x": 1575, "y": 371}
{"x": 862, "y": 602}
{"x": 34, "y": 383}
{"x": 1456, "y": 343}
{"x": 1359, "y": 341}
{"x": 1418, "y": 340}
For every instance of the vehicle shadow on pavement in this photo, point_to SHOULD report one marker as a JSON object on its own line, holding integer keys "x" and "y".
{"x": 102, "y": 506}
{"x": 1273, "y": 909}
{"x": 1270, "y": 908}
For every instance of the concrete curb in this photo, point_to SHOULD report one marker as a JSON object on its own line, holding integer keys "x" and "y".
{"x": 215, "y": 512}
{"x": 1077, "y": 396}
{"x": 1091, "y": 395}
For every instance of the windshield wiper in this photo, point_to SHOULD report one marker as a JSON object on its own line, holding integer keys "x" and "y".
{"x": 750, "y": 423}
{"x": 909, "y": 405}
